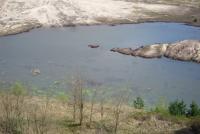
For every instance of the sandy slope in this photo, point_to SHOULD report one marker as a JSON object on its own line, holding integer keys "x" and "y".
{"x": 58, "y": 12}
{"x": 21, "y": 15}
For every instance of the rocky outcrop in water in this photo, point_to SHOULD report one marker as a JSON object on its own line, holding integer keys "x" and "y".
{"x": 126, "y": 51}
{"x": 152, "y": 51}
{"x": 187, "y": 50}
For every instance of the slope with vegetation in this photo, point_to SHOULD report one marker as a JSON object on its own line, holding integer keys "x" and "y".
{"x": 88, "y": 112}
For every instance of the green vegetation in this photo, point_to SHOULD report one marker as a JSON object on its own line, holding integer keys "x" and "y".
{"x": 194, "y": 109}
{"x": 177, "y": 108}
{"x": 18, "y": 89}
{"x": 138, "y": 103}
{"x": 161, "y": 106}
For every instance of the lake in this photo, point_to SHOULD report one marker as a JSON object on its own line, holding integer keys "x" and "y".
{"x": 60, "y": 53}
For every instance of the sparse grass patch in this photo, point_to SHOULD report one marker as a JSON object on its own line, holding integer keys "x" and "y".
{"x": 140, "y": 116}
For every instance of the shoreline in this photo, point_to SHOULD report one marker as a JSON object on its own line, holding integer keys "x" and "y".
{"x": 25, "y": 30}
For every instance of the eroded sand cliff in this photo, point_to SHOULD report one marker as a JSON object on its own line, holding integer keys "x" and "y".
{"x": 22, "y": 15}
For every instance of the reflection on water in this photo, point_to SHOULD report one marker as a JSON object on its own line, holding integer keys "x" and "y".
{"x": 62, "y": 52}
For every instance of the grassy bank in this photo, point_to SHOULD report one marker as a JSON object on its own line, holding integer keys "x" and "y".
{"x": 24, "y": 113}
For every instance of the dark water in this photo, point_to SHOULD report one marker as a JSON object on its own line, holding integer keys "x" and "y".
{"x": 62, "y": 52}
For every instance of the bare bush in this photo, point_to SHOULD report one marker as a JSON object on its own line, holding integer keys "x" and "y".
{"x": 40, "y": 117}
{"x": 78, "y": 98}
{"x": 19, "y": 116}
{"x": 120, "y": 100}
{"x": 12, "y": 119}
{"x": 93, "y": 96}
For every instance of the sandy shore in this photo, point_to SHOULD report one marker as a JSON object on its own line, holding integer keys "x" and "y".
{"x": 22, "y": 15}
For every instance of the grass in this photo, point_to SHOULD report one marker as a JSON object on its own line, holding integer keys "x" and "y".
{"x": 21, "y": 113}
{"x": 55, "y": 117}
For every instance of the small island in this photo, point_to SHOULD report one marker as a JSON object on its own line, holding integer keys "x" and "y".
{"x": 187, "y": 50}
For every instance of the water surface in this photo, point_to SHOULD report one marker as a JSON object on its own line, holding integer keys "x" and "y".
{"x": 62, "y": 52}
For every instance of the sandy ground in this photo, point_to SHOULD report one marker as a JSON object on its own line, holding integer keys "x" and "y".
{"x": 22, "y": 15}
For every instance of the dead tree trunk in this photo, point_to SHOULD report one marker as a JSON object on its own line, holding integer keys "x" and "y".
{"x": 117, "y": 110}
{"x": 81, "y": 106}
{"x": 74, "y": 107}
{"x": 92, "y": 106}
{"x": 117, "y": 120}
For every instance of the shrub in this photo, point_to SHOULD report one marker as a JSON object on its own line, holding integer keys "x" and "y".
{"x": 194, "y": 109}
{"x": 138, "y": 103}
{"x": 177, "y": 108}
{"x": 161, "y": 106}
{"x": 18, "y": 89}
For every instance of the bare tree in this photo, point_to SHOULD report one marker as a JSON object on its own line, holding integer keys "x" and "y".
{"x": 119, "y": 102}
{"x": 80, "y": 101}
{"x": 102, "y": 102}
{"x": 93, "y": 96}
{"x": 74, "y": 99}
{"x": 78, "y": 98}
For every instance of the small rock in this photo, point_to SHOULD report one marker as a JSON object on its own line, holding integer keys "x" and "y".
{"x": 35, "y": 72}
{"x": 195, "y": 20}
{"x": 93, "y": 46}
